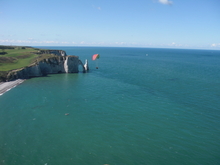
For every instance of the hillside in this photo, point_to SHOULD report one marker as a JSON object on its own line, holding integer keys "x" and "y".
{"x": 16, "y": 57}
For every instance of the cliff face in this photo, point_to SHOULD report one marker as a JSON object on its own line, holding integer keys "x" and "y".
{"x": 57, "y": 64}
{"x": 55, "y": 52}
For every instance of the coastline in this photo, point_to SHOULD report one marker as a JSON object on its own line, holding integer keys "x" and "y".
{"x": 6, "y": 86}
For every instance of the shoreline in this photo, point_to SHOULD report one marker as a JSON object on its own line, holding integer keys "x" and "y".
{"x": 6, "y": 86}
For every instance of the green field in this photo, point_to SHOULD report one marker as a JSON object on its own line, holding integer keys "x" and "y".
{"x": 17, "y": 58}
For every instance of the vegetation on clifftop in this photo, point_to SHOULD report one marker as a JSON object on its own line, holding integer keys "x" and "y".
{"x": 15, "y": 57}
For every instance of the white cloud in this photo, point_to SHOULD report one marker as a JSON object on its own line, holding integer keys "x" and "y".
{"x": 165, "y": 2}
{"x": 31, "y": 41}
{"x": 215, "y": 45}
{"x": 49, "y": 42}
{"x": 99, "y": 8}
{"x": 64, "y": 42}
{"x": 120, "y": 43}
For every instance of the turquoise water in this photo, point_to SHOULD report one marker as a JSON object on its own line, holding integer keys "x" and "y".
{"x": 159, "y": 109}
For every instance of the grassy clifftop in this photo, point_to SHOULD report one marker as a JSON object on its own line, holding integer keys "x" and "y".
{"x": 15, "y": 57}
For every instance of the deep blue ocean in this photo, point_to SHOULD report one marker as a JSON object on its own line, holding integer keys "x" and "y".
{"x": 143, "y": 106}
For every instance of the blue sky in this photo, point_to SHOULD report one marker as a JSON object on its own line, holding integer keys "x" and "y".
{"x": 130, "y": 23}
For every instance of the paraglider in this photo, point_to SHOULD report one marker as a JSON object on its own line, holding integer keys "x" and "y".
{"x": 95, "y": 57}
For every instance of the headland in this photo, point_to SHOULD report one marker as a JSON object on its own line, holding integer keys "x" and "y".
{"x": 18, "y": 63}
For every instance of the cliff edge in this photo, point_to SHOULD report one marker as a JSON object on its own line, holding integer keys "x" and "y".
{"x": 47, "y": 62}
{"x": 52, "y": 65}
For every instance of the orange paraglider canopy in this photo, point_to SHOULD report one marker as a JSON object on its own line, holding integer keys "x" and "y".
{"x": 95, "y": 56}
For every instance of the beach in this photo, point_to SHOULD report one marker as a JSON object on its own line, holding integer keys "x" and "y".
{"x": 6, "y": 86}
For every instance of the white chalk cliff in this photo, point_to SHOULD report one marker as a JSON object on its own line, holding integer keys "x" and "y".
{"x": 57, "y": 64}
{"x": 86, "y": 65}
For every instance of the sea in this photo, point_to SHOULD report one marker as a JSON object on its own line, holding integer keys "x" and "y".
{"x": 142, "y": 106}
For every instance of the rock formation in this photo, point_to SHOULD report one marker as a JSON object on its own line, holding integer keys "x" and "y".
{"x": 56, "y": 64}
{"x": 86, "y": 65}
{"x": 55, "y": 52}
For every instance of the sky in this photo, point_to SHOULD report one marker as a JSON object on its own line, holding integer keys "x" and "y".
{"x": 193, "y": 24}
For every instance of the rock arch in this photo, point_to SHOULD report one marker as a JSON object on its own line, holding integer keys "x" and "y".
{"x": 81, "y": 64}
